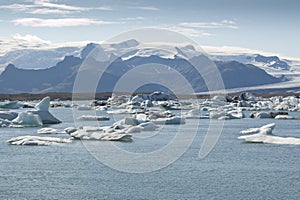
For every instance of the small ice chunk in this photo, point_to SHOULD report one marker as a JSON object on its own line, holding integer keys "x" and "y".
{"x": 37, "y": 140}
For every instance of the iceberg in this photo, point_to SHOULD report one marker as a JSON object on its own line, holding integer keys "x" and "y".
{"x": 287, "y": 117}
{"x": 169, "y": 121}
{"x": 93, "y": 118}
{"x": 8, "y": 115}
{"x": 101, "y": 136}
{"x": 49, "y": 131}
{"x": 43, "y": 112}
{"x": 84, "y": 107}
{"x": 37, "y": 140}
{"x": 27, "y": 118}
{"x": 264, "y": 135}
{"x": 10, "y": 105}
{"x": 148, "y": 126}
{"x": 160, "y": 96}
{"x": 4, "y": 123}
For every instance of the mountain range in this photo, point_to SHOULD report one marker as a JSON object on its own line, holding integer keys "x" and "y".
{"x": 237, "y": 71}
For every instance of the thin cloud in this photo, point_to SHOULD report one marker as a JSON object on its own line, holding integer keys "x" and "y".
{"x": 210, "y": 25}
{"x": 191, "y": 32}
{"x": 45, "y": 11}
{"x": 150, "y": 8}
{"x": 47, "y": 7}
{"x": 62, "y": 22}
{"x": 30, "y": 38}
{"x": 132, "y": 18}
{"x": 17, "y": 7}
{"x": 47, "y": 4}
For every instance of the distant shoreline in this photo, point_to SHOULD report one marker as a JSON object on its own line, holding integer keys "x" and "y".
{"x": 106, "y": 95}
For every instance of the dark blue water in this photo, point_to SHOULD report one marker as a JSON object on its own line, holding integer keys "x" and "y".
{"x": 233, "y": 170}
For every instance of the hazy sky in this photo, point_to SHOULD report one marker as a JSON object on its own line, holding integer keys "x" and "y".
{"x": 268, "y": 25}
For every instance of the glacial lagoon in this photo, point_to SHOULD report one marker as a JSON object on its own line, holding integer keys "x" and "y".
{"x": 232, "y": 170}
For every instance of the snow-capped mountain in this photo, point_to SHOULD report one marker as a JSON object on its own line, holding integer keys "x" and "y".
{"x": 35, "y": 58}
{"x": 244, "y": 70}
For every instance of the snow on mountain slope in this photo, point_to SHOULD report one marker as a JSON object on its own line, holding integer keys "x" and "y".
{"x": 270, "y": 62}
{"x": 31, "y": 52}
{"x": 43, "y": 56}
{"x": 37, "y": 59}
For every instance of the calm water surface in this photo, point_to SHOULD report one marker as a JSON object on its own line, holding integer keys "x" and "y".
{"x": 233, "y": 170}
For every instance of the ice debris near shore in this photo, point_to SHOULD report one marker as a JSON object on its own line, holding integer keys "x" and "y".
{"x": 264, "y": 135}
{"x": 37, "y": 140}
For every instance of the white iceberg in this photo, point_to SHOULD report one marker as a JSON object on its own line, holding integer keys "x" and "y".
{"x": 93, "y": 118}
{"x": 101, "y": 136}
{"x": 128, "y": 121}
{"x": 287, "y": 117}
{"x": 264, "y": 135}
{"x": 193, "y": 114}
{"x": 84, "y": 107}
{"x": 267, "y": 114}
{"x": 28, "y": 119}
{"x": 10, "y": 105}
{"x": 49, "y": 131}
{"x": 69, "y": 130}
{"x": 43, "y": 112}
{"x": 148, "y": 126}
{"x": 225, "y": 114}
{"x": 169, "y": 121}
{"x": 37, "y": 140}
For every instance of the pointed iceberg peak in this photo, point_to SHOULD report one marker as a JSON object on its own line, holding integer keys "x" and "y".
{"x": 44, "y": 104}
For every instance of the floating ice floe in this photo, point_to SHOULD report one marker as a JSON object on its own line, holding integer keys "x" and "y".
{"x": 267, "y": 114}
{"x": 37, "y": 140}
{"x": 70, "y": 130}
{"x": 170, "y": 105}
{"x": 10, "y": 105}
{"x": 264, "y": 135}
{"x": 84, "y": 107}
{"x": 133, "y": 125}
{"x": 49, "y": 131}
{"x": 287, "y": 117}
{"x": 119, "y": 131}
{"x": 148, "y": 126}
{"x": 160, "y": 118}
{"x": 117, "y": 100}
{"x": 169, "y": 121}
{"x": 85, "y": 133}
{"x": 93, "y": 118}
{"x": 223, "y": 115}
